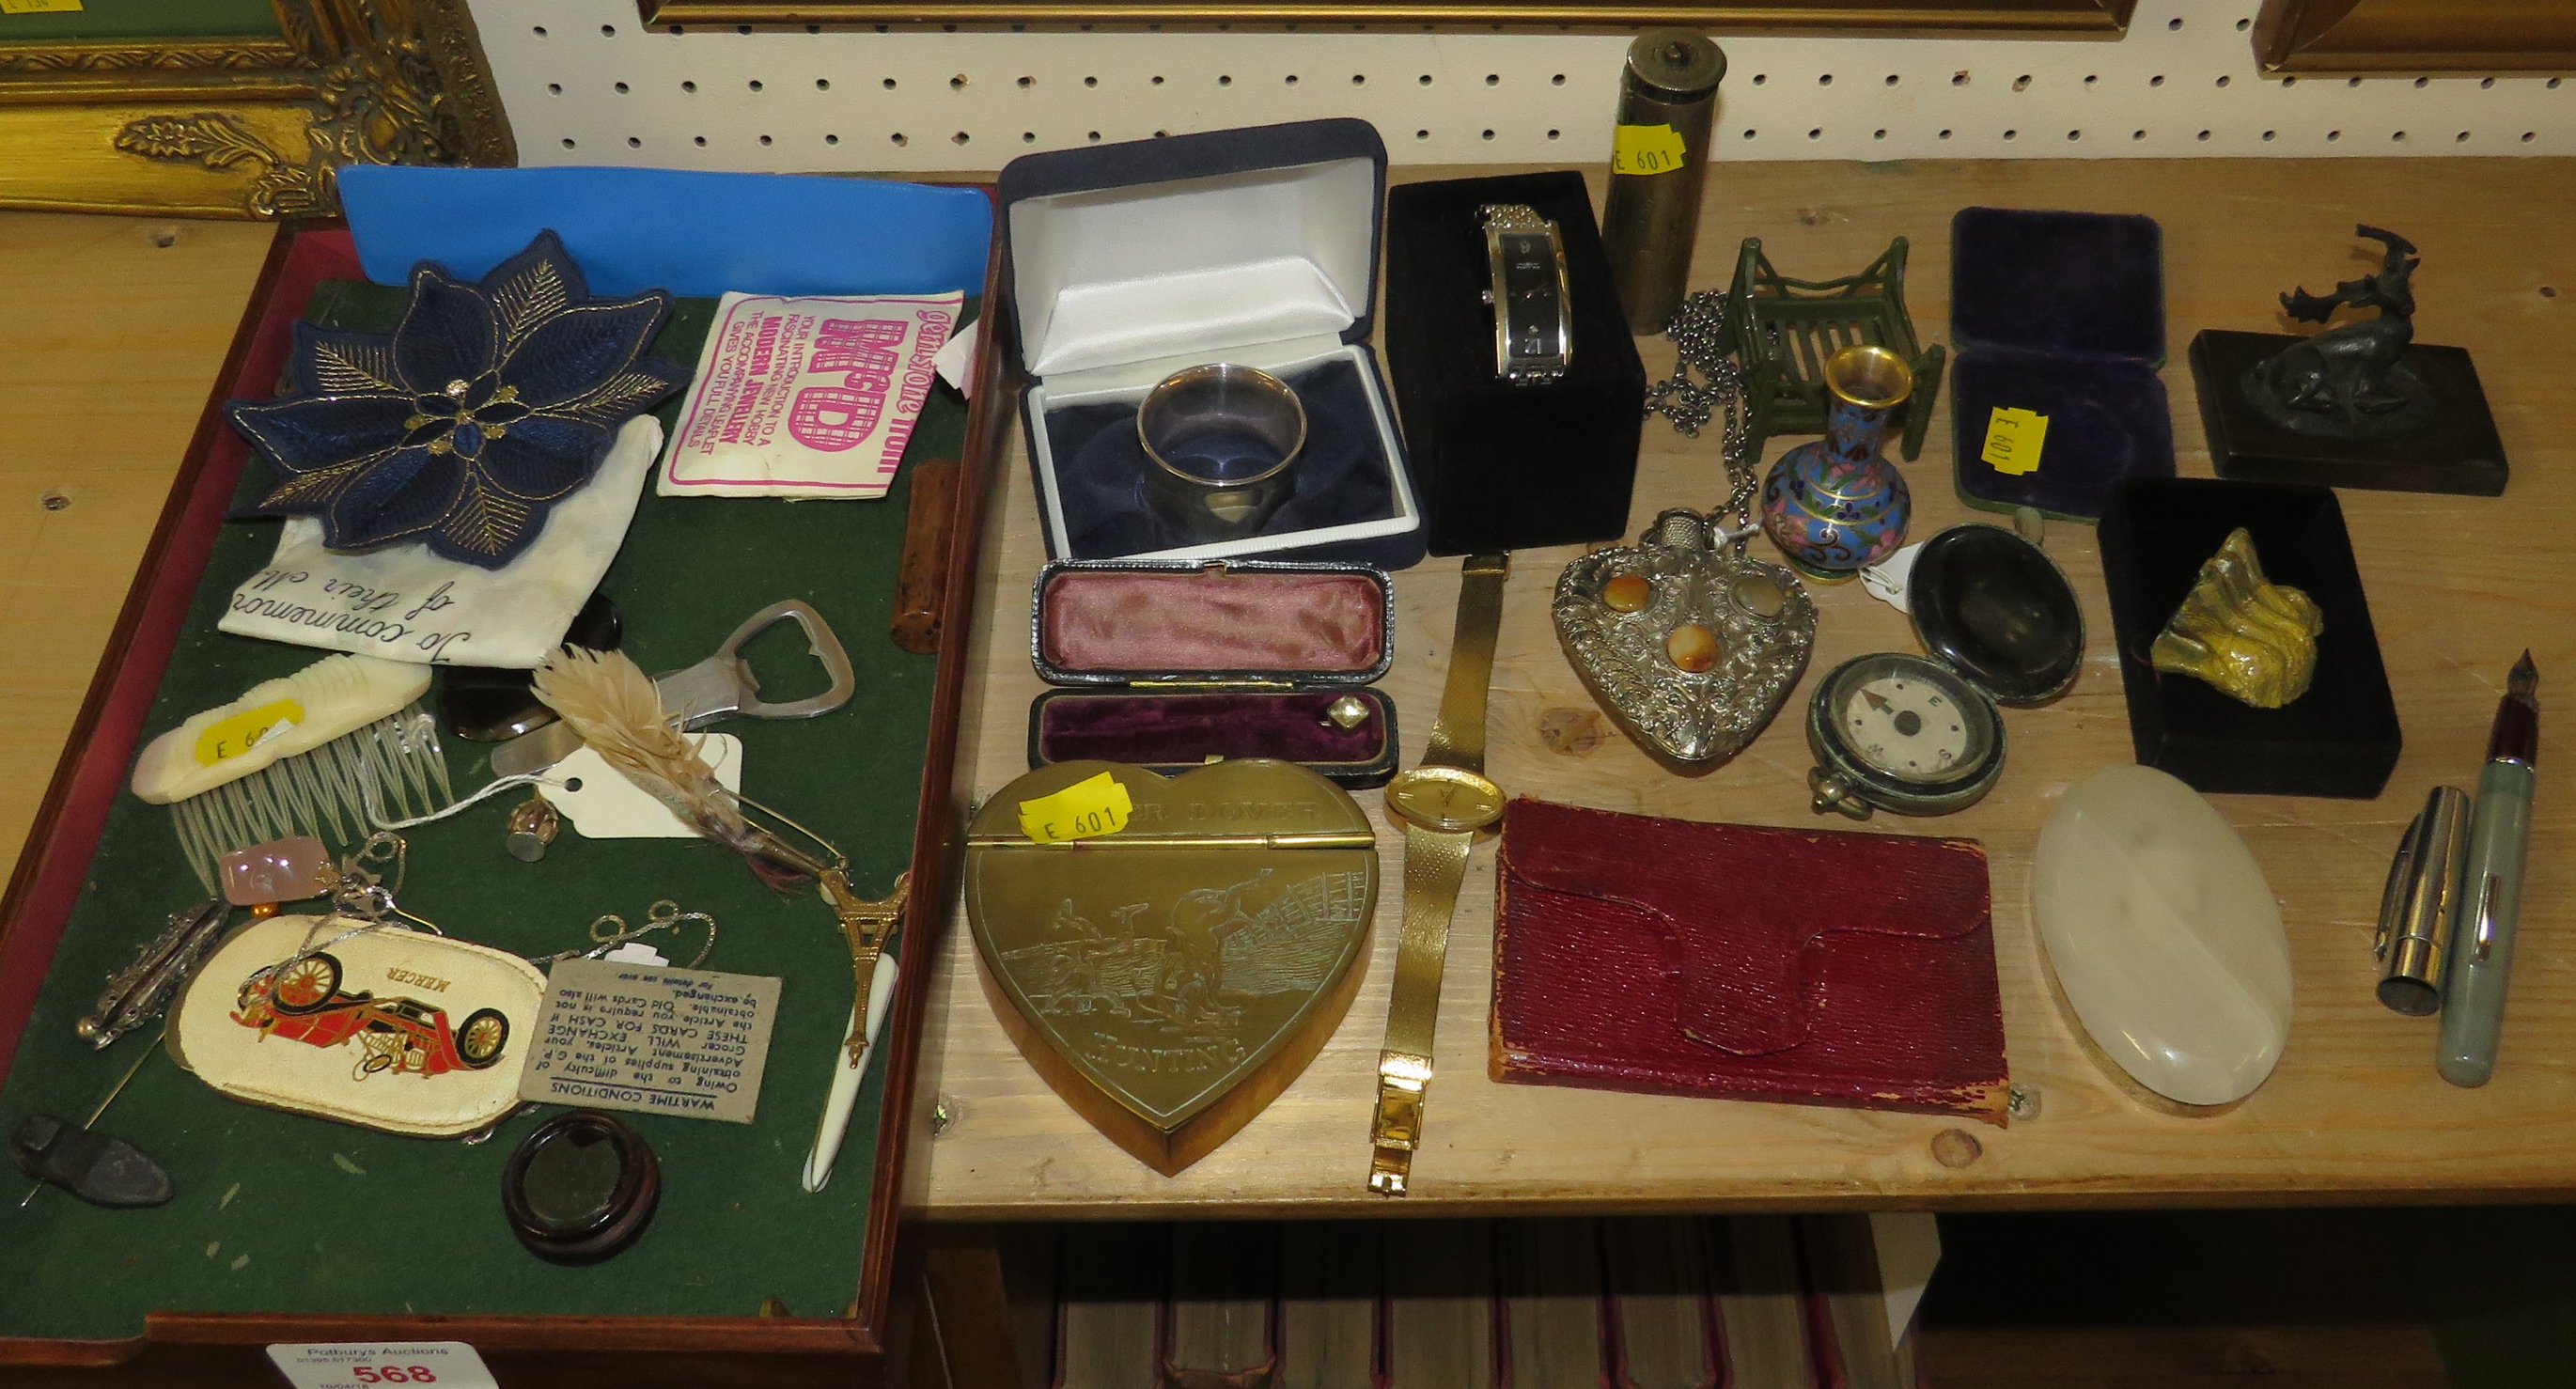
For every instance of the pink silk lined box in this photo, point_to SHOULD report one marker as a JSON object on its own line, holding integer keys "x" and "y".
{"x": 1182, "y": 664}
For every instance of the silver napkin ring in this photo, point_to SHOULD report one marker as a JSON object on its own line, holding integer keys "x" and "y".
{"x": 1533, "y": 311}
{"x": 1221, "y": 439}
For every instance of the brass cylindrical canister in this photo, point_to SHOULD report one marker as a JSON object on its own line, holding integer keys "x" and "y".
{"x": 1667, "y": 97}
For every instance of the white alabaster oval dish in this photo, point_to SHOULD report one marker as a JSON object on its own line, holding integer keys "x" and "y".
{"x": 2164, "y": 935}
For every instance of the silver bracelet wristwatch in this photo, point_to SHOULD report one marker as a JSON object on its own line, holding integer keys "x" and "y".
{"x": 1533, "y": 314}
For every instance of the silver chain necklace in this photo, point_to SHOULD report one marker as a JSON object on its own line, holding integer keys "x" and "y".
{"x": 1698, "y": 333}
{"x": 1687, "y": 640}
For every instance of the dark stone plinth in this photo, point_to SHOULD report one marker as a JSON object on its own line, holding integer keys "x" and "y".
{"x": 2455, "y": 450}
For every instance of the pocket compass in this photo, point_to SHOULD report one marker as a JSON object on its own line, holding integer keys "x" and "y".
{"x": 1897, "y": 731}
{"x": 1922, "y": 735}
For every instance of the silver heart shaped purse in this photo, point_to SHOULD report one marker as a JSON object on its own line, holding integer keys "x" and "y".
{"x": 1690, "y": 643}
{"x": 1687, "y": 641}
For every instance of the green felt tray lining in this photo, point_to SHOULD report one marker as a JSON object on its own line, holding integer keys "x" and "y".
{"x": 281, "y": 1213}
{"x": 177, "y": 23}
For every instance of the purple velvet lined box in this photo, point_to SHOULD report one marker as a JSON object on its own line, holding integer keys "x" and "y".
{"x": 2061, "y": 314}
{"x": 1180, "y": 664}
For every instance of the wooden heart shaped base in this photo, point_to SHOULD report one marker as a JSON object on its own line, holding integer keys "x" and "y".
{"x": 1170, "y": 979}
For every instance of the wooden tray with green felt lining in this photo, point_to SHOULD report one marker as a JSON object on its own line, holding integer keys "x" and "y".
{"x": 356, "y": 1234}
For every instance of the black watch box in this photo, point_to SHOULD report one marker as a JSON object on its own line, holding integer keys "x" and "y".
{"x": 1256, "y": 247}
{"x": 1502, "y": 466}
{"x": 1172, "y": 665}
{"x": 2339, "y": 739}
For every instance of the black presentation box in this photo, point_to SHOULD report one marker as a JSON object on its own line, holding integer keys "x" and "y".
{"x": 1499, "y": 466}
{"x": 2340, "y": 738}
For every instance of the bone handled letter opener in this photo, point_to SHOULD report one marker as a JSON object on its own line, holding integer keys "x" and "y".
{"x": 1443, "y": 803}
{"x": 867, "y": 925}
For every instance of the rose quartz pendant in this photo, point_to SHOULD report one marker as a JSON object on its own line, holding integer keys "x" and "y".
{"x": 281, "y": 870}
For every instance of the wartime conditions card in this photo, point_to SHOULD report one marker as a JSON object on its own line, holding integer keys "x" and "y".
{"x": 652, "y": 1039}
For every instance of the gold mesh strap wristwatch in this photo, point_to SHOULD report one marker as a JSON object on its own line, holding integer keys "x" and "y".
{"x": 1443, "y": 802}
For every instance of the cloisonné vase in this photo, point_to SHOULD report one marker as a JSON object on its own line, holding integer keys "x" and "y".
{"x": 1836, "y": 506}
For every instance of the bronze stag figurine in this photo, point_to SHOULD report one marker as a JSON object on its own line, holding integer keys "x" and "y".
{"x": 2350, "y": 381}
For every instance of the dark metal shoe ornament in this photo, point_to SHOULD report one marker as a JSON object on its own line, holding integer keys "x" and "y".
{"x": 98, "y": 1169}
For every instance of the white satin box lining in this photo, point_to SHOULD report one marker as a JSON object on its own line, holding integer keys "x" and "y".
{"x": 1193, "y": 269}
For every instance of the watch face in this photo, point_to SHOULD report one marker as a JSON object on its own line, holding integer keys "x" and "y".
{"x": 1530, "y": 309}
{"x": 1527, "y": 265}
{"x": 1445, "y": 798}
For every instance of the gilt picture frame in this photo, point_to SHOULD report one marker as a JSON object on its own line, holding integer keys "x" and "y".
{"x": 2106, "y": 19}
{"x": 97, "y": 118}
{"x": 2419, "y": 36}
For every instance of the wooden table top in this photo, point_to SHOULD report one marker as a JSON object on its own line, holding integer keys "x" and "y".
{"x": 113, "y": 339}
{"x": 2458, "y": 587}
{"x": 112, "y": 333}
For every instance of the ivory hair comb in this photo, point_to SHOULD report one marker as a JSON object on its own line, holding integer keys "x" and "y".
{"x": 304, "y": 754}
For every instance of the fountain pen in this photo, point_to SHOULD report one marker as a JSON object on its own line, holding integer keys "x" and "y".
{"x": 2491, "y": 889}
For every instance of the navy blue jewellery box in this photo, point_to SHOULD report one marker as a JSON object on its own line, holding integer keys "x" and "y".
{"x": 2061, "y": 314}
{"x": 1257, "y": 247}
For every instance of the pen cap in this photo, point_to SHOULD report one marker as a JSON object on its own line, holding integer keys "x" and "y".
{"x": 2416, "y": 908}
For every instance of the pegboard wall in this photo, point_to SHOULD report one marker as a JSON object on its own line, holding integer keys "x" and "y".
{"x": 585, "y": 83}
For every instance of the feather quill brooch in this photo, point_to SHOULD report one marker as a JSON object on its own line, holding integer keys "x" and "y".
{"x": 615, "y": 708}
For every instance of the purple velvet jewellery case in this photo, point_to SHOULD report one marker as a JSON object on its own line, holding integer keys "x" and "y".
{"x": 1171, "y": 665}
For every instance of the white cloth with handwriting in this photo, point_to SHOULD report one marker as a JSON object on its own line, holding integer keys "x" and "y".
{"x": 403, "y": 603}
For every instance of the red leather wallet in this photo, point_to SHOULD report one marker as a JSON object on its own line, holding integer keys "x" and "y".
{"x": 1806, "y": 966}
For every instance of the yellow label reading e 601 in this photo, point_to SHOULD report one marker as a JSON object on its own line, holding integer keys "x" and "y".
{"x": 227, "y": 738}
{"x": 1080, "y": 811}
{"x": 1646, "y": 149}
{"x": 2014, "y": 437}
{"x": 40, "y": 6}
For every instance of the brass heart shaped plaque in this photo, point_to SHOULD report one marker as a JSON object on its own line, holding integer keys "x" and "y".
{"x": 1171, "y": 978}
{"x": 1690, "y": 643}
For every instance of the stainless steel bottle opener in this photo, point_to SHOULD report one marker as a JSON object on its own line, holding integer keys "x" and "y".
{"x": 719, "y": 687}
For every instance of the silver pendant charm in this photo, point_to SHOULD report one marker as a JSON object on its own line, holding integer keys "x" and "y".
{"x": 1688, "y": 642}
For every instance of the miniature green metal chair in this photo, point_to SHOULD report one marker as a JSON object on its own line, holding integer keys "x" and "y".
{"x": 1782, "y": 330}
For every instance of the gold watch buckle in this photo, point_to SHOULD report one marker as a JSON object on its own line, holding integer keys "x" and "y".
{"x": 1397, "y": 1130}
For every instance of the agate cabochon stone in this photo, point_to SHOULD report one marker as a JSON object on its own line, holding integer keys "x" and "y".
{"x": 2164, "y": 936}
